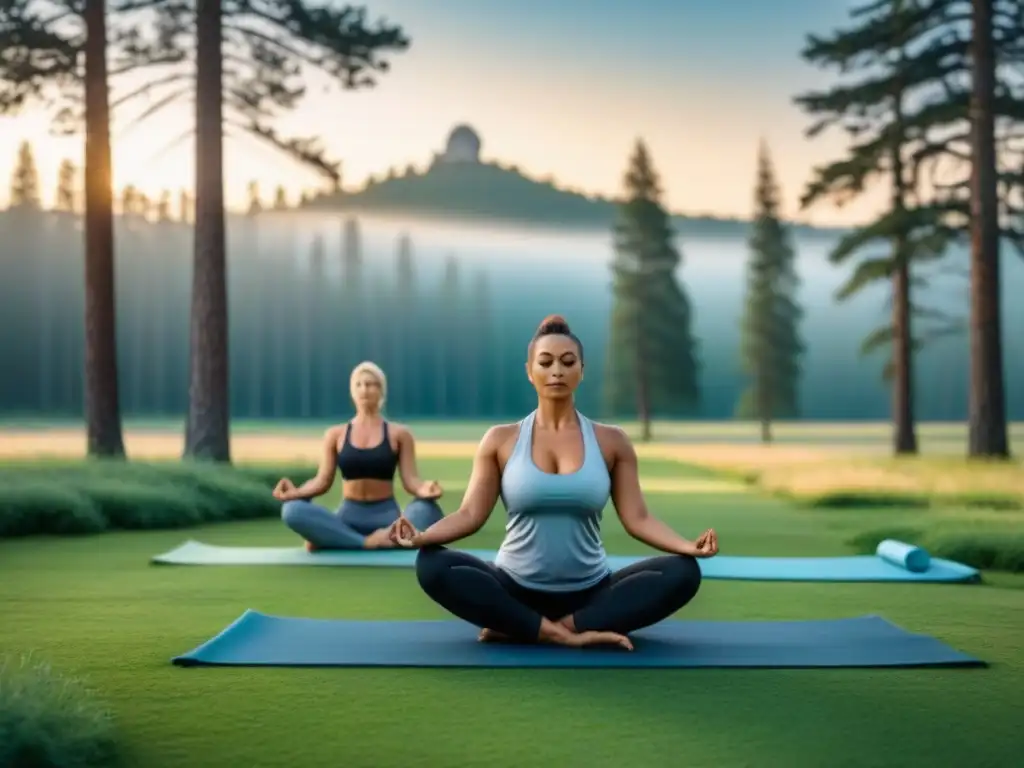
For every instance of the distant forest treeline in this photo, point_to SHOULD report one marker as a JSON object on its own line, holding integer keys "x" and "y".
{"x": 298, "y": 324}
{"x": 302, "y": 312}
{"x": 451, "y": 333}
{"x": 312, "y": 295}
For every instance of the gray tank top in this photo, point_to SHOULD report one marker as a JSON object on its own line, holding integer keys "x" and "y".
{"x": 553, "y": 535}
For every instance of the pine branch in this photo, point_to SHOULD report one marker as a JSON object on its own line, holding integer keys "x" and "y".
{"x": 33, "y": 56}
{"x": 250, "y": 35}
{"x": 146, "y": 89}
{"x": 347, "y": 45}
{"x": 306, "y": 151}
{"x": 268, "y": 46}
{"x": 156, "y": 107}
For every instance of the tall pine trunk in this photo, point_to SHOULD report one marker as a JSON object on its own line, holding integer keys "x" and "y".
{"x": 102, "y": 402}
{"x": 765, "y": 395}
{"x": 987, "y": 404}
{"x": 904, "y": 432}
{"x": 207, "y": 433}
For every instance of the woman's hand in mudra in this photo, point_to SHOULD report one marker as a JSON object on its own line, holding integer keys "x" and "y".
{"x": 429, "y": 489}
{"x": 284, "y": 490}
{"x": 404, "y": 534}
{"x": 706, "y": 544}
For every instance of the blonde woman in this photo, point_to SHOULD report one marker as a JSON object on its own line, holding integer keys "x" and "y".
{"x": 367, "y": 451}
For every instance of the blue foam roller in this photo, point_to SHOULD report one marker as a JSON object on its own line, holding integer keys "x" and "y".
{"x": 914, "y": 559}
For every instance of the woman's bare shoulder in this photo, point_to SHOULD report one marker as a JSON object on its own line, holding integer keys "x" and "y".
{"x": 613, "y": 440}
{"x": 335, "y": 434}
{"x": 498, "y": 443}
{"x": 612, "y": 433}
{"x": 498, "y": 436}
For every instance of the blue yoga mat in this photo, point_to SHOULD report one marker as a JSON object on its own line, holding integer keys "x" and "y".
{"x": 855, "y": 568}
{"x": 256, "y": 639}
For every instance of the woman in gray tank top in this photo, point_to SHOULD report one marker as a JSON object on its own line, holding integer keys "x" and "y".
{"x": 555, "y": 472}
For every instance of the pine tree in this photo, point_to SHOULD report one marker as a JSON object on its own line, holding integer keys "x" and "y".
{"x": 104, "y": 430}
{"x": 186, "y": 207}
{"x": 279, "y": 44}
{"x": 66, "y": 199}
{"x": 255, "y": 204}
{"x": 60, "y": 56}
{"x": 653, "y": 360}
{"x": 988, "y": 433}
{"x": 270, "y": 48}
{"x": 309, "y": 325}
{"x": 883, "y": 77}
{"x": 319, "y": 363}
{"x": 353, "y": 292}
{"x": 25, "y": 180}
{"x": 959, "y": 64}
{"x": 481, "y": 344}
{"x": 130, "y": 201}
{"x": 447, "y": 393}
{"x": 405, "y": 351}
{"x": 771, "y": 346}
{"x": 163, "y": 206}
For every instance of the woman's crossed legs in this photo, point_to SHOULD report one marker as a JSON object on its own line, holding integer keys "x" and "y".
{"x": 480, "y": 593}
{"x": 356, "y": 524}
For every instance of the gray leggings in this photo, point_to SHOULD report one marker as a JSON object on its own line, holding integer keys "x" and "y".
{"x": 354, "y": 521}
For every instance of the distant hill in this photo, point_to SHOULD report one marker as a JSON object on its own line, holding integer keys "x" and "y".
{"x": 492, "y": 192}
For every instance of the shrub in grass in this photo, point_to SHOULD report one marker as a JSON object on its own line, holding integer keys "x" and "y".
{"x": 32, "y": 507}
{"x": 226, "y": 493}
{"x": 993, "y": 550}
{"x": 893, "y": 499}
{"x": 994, "y": 501}
{"x": 131, "y": 505}
{"x": 988, "y": 547}
{"x": 90, "y": 496}
{"x": 50, "y": 721}
{"x": 860, "y": 498}
{"x": 217, "y": 493}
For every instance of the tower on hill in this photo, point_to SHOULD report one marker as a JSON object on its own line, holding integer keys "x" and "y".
{"x": 463, "y": 146}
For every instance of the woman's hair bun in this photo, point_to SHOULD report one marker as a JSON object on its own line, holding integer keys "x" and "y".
{"x": 553, "y": 324}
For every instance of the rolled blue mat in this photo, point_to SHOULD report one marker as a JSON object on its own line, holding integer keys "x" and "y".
{"x": 914, "y": 559}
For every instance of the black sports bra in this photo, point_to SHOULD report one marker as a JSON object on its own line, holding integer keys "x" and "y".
{"x": 376, "y": 463}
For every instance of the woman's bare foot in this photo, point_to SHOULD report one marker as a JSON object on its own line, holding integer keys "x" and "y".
{"x": 490, "y": 636}
{"x": 595, "y": 638}
{"x": 557, "y": 633}
{"x": 585, "y": 639}
{"x": 379, "y": 539}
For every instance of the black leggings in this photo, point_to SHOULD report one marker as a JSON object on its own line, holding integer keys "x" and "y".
{"x": 482, "y": 594}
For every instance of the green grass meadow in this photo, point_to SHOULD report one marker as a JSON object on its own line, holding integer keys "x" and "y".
{"x": 96, "y": 609}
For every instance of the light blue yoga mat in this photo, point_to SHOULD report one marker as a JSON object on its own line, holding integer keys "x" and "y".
{"x": 736, "y": 567}
{"x": 256, "y": 639}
